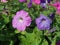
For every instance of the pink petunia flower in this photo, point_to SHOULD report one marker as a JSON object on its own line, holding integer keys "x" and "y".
{"x": 4, "y": 1}
{"x": 21, "y": 20}
{"x": 57, "y": 6}
{"x": 36, "y": 1}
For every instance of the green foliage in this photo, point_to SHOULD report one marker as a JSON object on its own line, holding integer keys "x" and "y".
{"x": 31, "y": 36}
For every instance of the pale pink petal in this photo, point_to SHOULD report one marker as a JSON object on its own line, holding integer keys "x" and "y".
{"x": 4, "y": 1}
{"x": 22, "y": 13}
{"x": 21, "y": 27}
{"x": 28, "y": 20}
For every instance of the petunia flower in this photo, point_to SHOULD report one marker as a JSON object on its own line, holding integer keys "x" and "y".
{"x": 36, "y": 1}
{"x": 57, "y": 6}
{"x": 43, "y": 22}
{"x": 4, "y": 1}
{"x": 44, "y": 3}
{"x": 21, "y": 20}
{"x": 48, "y": 1}
{"x": 30, "y": 4}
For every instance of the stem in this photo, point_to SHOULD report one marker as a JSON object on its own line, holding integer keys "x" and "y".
{"x": 42, "y": 38}
{"x": 49, "y": 41}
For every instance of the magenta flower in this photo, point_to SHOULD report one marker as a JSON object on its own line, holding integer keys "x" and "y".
{"x": 22, "y": 0}
{"x": 57, "y": 6}
{"x": 36, "y": 1}
{"x": 21, "y": 20}
{"x": 43, "y": 22}
{"x": 4, "y": 1}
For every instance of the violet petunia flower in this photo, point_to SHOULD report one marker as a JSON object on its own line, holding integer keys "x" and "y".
{"x": 30, "y": 4}
{"x": 48, "y": 1}
{"x": 43, "y": 22}
{"x": 21, "y": 20}
{"x": 44, "y": 3}
{"x": 22, "y": 0}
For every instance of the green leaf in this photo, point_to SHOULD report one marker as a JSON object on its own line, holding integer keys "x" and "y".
{"x": 45, "y": 42}
{"x": 2, "y": 24}
{"x": 37, "y": 32}
{"x": 54, "y": 42}
{"x": 58, "y": 34}
{"x": 1, "y": 7}
{"x": 6, "y": 18}
{"x": 16, "y": 31}
{"x": 11, "y": 42}
{"x": 30, "y": 38}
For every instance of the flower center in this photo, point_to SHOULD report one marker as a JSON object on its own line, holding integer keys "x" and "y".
{"x": 43, "y": 20}
{"x": 21, "y": 20}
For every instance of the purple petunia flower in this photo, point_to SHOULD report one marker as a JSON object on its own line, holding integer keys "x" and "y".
{"x": 30, "y": 4}
{"x": 48, "y": 1}
{"x": 43, "y": 22}
{"x": 44, "y": 3}
{"x": 22, "y": 0}
{"x": 21, "y": 20}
